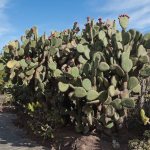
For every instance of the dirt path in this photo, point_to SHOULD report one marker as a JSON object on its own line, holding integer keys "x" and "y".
{"x": 11, "y": 137}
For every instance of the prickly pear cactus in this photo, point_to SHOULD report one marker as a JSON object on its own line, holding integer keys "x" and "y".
{"x": 90, "y": 76}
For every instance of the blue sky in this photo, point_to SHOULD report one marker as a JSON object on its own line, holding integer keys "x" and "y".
{"x": 18, "y": 15}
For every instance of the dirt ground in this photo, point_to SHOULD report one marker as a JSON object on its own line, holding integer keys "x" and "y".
{"x": 67, "y": 139}
{"x": 12, "y": 138}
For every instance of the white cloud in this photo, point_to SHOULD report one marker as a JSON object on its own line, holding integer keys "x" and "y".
{"x": 138, "y": 10}
{"x": 5, "y": 26}
{"x": 3, "y": 3}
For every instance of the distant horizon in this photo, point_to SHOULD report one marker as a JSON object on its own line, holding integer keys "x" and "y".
{"x": 16, "y": 16}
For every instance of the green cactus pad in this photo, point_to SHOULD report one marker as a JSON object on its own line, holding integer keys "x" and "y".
{"x": 32, "y": 44}
{"x": 137, "y": 89}
{"x": 141, "y": 51}
{"x": 101, "y": 35}
{"x": 138, "y": 35}
{"x": 23, "y": 63}
{"x": 33, "y": 65}
{"x": 125, "y": 56}
{"x": 132, "y": 83}
{"x": 118, "y": 36}
{"x": 103, "y": 66}
{"x": 116, "y": 103}
{"x": 52, "y": 65}
{"x": 57, "y": 42}
{"x": 118, "y": 70}
{"x": 63, "y": 87}
{"x": 87, "y": 53}
{"x": 1, "y": 67}
{"x": 74, "y": 72}
{"x": 134, "y": 60}
{"x": 11, "y": 64}
{"x": 128, "y": 103}
{"x": 80, "y": 48}
{"x": 80, "y": 92}
{"x": 126, "y": 36}
{"x": 144, "y": 59}
{"x": 103, "y": 96}
{"x": 111, "y": 91}
{"x": 30, "y": 72}
{"x": 127, "y": 65}
{"x": 82, "y": 60}
{"x": 123, "y": 22}
{"x": 105, "y": 41}
{"x": 114, "y": 80}
{"x": 133, "y": 33}
{"x": 21, "y": 52}
{"x": 110, "y": 111}
{"x": 92, "y": 95}
{"x": 53, "y": 51}
{"x": 57, "y": 73}
{"x": 86, "y": 83}
{"x": 145, "y": 71}
{"x": 119, "y": 46}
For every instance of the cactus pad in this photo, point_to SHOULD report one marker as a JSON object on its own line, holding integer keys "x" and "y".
{"x": 63, "y": 87}
{"x": 11, "y": 64}
{"x": 118, "y": 70}
{"x": 57, "y": 73}
{"x": 145, "y": 71}
{"x": 141, "y": 51}
{"x": 110, "y": 111}
{"x": 52, "y": 65}
{"x": 137, "y": 89}
{"x": 86, "y": 83}
{"x": 80, "y": 48}
{"x": 128, "y": 103}
{"x": 101, "y": 35}
{"x": 116, "y": 103}
{"x": 74, "y": 72}
{"x": 1, "y": 67}
{"x": 80, "y": 92}
{"x": 103, "y": 66}
{"x": 132, "y": 83}
{"x": 92, "y": 95}
{"x": 124, "y": 20}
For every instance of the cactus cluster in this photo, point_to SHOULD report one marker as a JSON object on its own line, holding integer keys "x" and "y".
{"x": 91, "y": 76}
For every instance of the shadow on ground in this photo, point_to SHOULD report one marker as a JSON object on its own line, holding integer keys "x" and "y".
{"x": 13, "y": 138}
